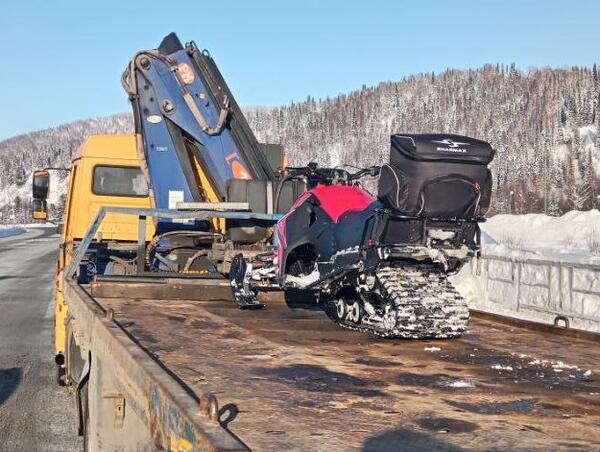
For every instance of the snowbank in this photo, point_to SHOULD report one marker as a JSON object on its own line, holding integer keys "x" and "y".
{"x": 574, "y": 237}
{"x": 36, "y": 225}
{"x": 9, "y": 230}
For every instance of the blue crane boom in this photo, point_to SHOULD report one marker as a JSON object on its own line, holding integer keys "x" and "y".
{"x": 187, "y": 121}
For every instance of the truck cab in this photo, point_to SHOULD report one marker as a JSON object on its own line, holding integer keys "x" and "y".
{"x": 105, "y": 172}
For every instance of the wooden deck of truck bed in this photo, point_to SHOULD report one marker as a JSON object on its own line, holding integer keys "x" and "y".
{"x": 292, "y": 380}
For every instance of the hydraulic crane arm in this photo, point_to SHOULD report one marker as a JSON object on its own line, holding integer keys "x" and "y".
{"x": 192, "y": 137}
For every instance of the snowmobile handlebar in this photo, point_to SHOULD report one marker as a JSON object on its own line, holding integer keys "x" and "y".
{"x": 371, "y": 171}
{"x": 329, "y": 176}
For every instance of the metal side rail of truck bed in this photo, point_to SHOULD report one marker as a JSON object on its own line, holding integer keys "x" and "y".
{"x": 175, "y": 365}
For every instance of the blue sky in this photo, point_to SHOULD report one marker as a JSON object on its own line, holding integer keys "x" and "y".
{"x": 62, "y": 60}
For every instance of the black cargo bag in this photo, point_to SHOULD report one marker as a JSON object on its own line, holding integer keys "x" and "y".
{"x": 437, "y": 176}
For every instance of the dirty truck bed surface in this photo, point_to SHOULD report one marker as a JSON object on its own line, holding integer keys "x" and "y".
{"x": 296, "y": 381}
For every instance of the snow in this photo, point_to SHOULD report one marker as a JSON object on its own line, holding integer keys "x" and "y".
{"x": 10, "y": 230}
{"x": 461, "y": 384}
{"x": 562, "y": 366}
{"x": 47, "y": 224}
{"x": 303, "y": 281}
{"x": 558, "y": 367}
{"x": 573, "y": 237}
{"x": 588, "y": 136}
{"x": 432, "y": 349}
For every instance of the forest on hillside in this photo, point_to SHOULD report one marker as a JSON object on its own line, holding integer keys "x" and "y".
{"x": 54, "y": 147}
{"x": 544, "y": 124}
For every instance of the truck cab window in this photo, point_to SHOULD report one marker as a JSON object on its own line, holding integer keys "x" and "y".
{"x": 119, "y": 181}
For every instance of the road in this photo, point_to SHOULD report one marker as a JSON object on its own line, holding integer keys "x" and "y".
{"x": 35, "y": 413}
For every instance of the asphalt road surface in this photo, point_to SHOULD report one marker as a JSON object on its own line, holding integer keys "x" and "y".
{"x": 35, "y": 413}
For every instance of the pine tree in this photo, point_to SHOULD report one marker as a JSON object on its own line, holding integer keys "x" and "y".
{"x": 570, "y": 187}
{"x": 586, "y": 192}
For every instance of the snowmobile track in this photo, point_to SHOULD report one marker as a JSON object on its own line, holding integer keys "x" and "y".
{"x": 424, "y": 304}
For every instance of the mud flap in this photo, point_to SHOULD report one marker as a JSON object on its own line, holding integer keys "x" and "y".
{"x": 83, "y": 380}
{"x": 239, "y": 278}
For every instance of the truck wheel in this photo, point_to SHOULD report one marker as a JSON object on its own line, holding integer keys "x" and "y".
{"x": 74, "y": 362}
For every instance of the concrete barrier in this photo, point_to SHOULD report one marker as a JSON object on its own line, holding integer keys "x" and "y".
{"x": 544, "y": 291}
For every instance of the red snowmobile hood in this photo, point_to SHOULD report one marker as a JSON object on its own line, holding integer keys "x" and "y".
{"x": 336, "y": 200}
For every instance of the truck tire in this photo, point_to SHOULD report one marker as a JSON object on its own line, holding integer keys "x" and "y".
{"x": 74, "y": 363}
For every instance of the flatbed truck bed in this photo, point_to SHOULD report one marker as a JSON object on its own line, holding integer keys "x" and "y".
{"x": 287, "y": 378}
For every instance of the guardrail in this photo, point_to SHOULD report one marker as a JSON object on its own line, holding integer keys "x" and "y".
{"x": 551, "y": 292}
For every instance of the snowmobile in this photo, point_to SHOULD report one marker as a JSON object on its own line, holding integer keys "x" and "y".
{"x": 381, "y": 263}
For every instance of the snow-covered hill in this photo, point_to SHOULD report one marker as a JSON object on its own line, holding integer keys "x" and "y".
{"x": 543, "y": 122}
{"x": 55, "y": 147}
